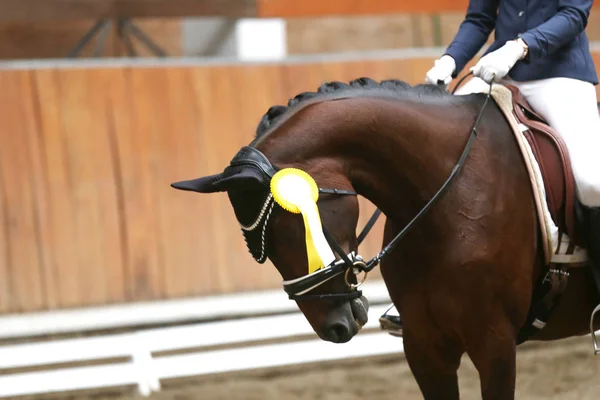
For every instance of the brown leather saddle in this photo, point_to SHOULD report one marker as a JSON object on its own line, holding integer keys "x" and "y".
{"x": 554, "y": 161}
{"x": 555, "y": 164}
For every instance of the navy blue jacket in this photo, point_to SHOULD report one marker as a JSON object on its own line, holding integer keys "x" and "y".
{"x": 554, "y": 30}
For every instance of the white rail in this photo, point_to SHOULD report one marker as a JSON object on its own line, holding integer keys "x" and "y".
{"x": 144, "y": 369}
{"x": 159, "y": 312}
{"x": 133, "y": 359}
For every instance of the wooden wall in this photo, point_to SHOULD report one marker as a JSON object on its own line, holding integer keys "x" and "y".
{"x": 54, "y": 39}
{"x": 86, "y": 158}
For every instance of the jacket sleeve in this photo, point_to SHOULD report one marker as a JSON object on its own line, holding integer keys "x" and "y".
{"x": 570, "y": 20}
{"x": 474, "y": 31}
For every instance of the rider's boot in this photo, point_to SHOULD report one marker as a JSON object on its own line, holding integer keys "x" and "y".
{"x": 391, "y": 321}
{"x": 594, "y": 236}
{"x": 593, "y": 231}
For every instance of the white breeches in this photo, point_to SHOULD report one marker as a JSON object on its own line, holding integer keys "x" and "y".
{"x": 569, "y": 107}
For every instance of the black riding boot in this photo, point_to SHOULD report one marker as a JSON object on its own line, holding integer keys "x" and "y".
{"x": 594, "y": 235}
{"x": 593, "y": 246}
{"x": 593, "y": 231}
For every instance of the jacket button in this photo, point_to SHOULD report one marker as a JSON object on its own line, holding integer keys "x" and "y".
{"x": 521, "y": 13}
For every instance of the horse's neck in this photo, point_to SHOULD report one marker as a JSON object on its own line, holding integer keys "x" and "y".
{"x": 405, "y": 150}
{"x": 399, "y": 152}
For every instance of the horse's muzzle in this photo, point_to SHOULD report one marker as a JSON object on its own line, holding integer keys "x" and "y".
{"x": 344, "y": 325}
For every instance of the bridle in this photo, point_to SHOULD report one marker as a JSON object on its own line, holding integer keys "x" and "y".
{"x": 297, "y": 289}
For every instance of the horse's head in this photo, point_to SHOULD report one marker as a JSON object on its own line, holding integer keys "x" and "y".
{"x": 304, "y": 221}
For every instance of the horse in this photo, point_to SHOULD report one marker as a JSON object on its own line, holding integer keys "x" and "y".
{"x": 462, "y": 276}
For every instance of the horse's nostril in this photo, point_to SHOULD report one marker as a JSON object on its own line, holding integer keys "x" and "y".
{"x": 339, "y": 333}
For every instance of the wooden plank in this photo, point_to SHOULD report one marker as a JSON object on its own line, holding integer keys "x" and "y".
{"x": 308, "y": 35}
{"x": 220, "y": 142}
{"x": 92, "y": 182}
{"x": 135, "y": 99}
{"x": 24, "y": 261}
{"x": 5, "y": 287}
{"x": 593, "y": 27}
{"x": 182, "y": 219}
{"x": 56, "y": 39}
{"x": 165, "y": 32}
{"x": 42, "y": 39}
{"x": 37, "y": 10}
{"x": 6, "y": 284}
{"x": 125, "y": 152}
{"x": 39, "y": 178}
{"x": 215, "y": 154}
{"x": 149, "y": 119}
{"x": 108, "y": 179}
{"x": 199, "y": 149}
{"x": 59, "y": 222}
{"x": 316, "y": 8}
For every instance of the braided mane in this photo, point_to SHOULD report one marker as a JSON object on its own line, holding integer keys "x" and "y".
{"x": 389, "y": 86}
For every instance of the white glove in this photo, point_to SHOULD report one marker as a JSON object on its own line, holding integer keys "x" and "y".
{"x": 496, "y": 65}
{"x": 442, "y": 71}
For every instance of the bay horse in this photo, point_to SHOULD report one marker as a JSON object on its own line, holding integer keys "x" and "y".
{"x": 462, "y": 277}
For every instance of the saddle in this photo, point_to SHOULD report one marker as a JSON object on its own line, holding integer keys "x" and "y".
{"x": 562, "y": 226}
{"x": 553, "y": 158}
{"x": 554, "y": 165}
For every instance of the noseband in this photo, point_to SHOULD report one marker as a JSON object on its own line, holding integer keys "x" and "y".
{"x": 347, "y": 263}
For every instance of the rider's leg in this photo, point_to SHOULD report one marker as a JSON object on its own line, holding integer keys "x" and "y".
{"x": 570, "y": 107}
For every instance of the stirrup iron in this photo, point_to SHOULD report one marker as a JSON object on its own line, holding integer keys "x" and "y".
{"x": 594, "y": 339}
{"x": 596, "y": 275}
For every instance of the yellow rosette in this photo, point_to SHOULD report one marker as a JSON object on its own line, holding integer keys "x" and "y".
{"x": 297, "y": 192}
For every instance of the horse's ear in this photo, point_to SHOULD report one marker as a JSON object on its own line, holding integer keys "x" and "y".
{"x": 206, "y": 184}
{"x": 246, "y": 178}
{"x": 221, "y": 182}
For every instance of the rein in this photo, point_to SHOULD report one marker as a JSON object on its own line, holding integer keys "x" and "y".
{"x": 457, "y": 168}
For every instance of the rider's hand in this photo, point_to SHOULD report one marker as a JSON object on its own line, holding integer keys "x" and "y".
{"x": 442, "y": 71}
{"x": 496, "y": 65}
